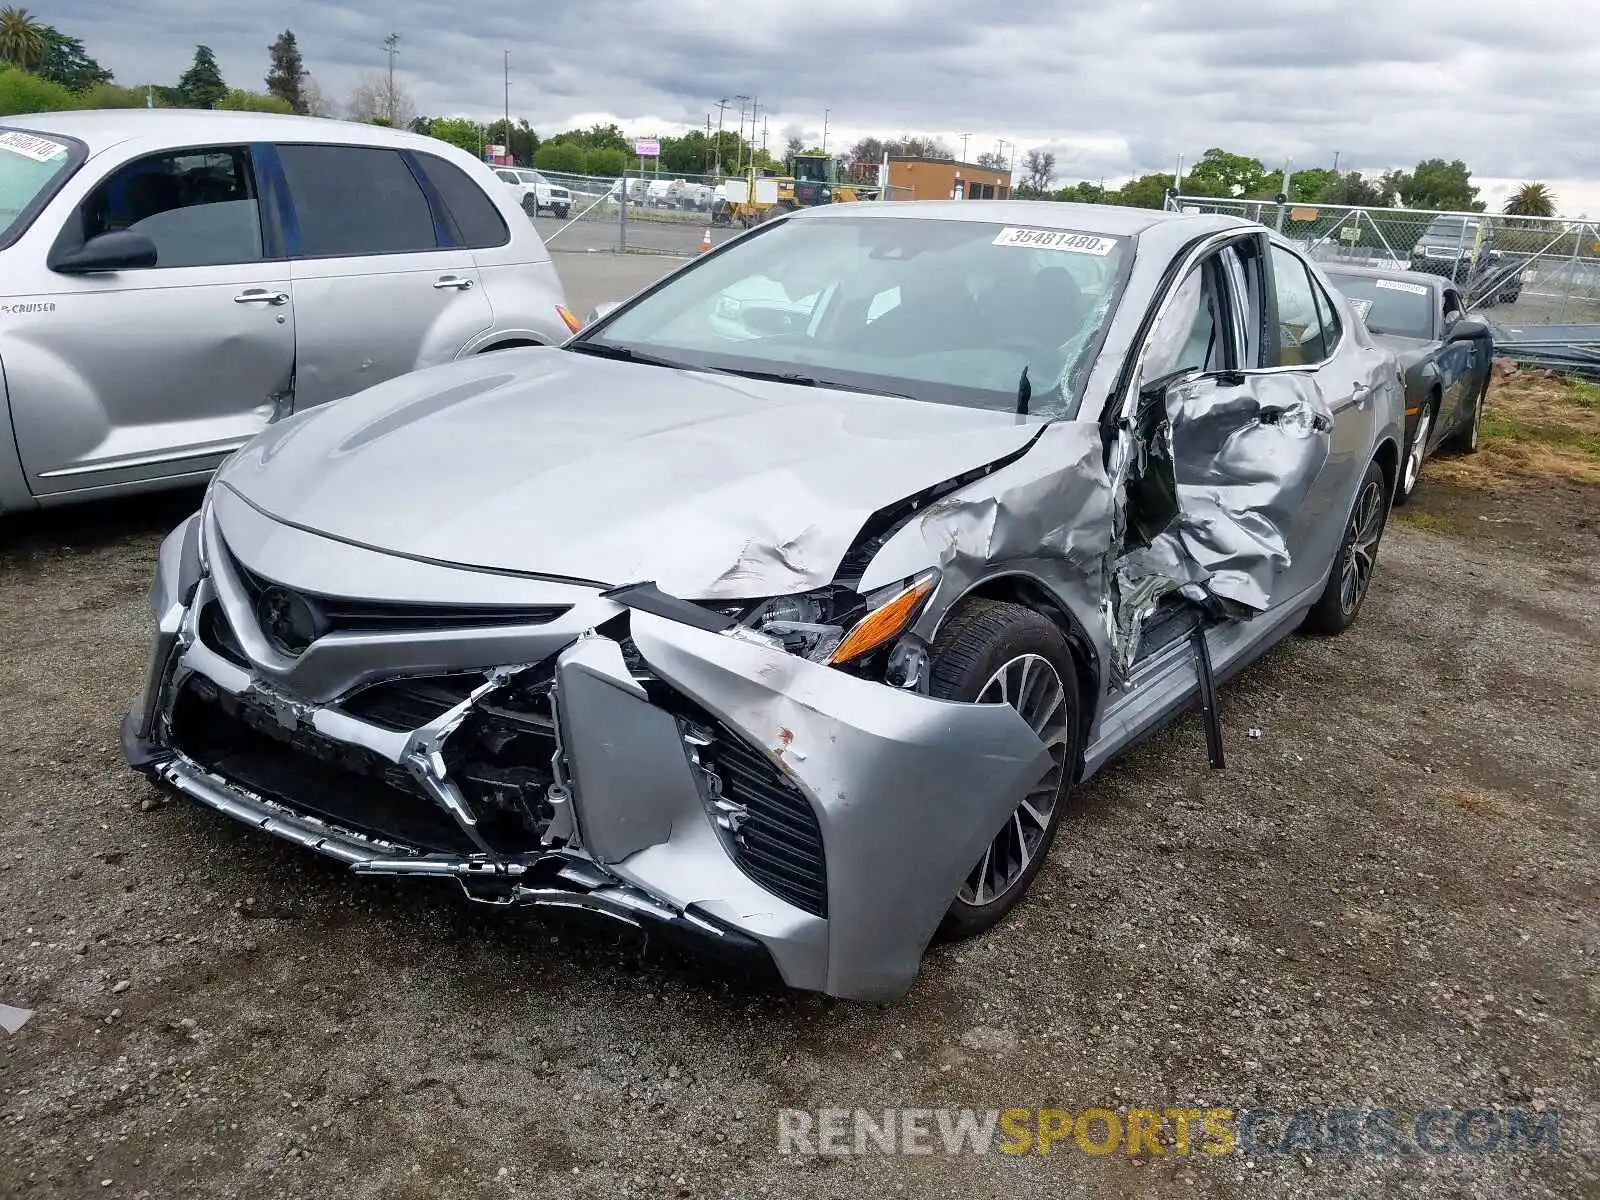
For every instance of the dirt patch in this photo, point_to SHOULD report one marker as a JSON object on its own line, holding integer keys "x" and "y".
{"x": 1390, "y": 899}
{"x": 1535, "y": 425}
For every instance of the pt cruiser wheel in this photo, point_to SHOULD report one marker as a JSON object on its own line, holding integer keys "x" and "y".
{"x": 999, "y": 653}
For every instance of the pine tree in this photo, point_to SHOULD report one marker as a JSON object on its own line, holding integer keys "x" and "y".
{"x": 201, "y": 86}
{"x": 286, "y": 77}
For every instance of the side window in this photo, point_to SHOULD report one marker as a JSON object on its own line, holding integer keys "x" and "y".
{"x": 356, "y": 200}
{"x": 1328, "y": 318}
{"x": 508, "y": 176}
{"x": 1193, "y": 332}
{"x": 1301, "y": 341}
{"x": 197, "y": 206}
{"x": 476, "y": 218}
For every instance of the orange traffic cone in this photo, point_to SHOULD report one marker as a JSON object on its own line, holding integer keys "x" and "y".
{"x": 705, "y": 241}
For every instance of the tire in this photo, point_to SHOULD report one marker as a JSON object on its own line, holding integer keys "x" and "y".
{"x": 1335, "y": 610}
{"x": 1465, "y": 441}
{"x": 973, "y": 648}
{"x": 530, "y": 205}
{"x": 1416, "y": 452}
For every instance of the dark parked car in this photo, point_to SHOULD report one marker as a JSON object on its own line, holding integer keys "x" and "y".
{"x": 1466, "y": 250}
{"x": 1444, "y": 355}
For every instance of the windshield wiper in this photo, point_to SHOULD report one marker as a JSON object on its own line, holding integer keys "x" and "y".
{"x": 623, "y": 354}
{"x": 800, "y": 380}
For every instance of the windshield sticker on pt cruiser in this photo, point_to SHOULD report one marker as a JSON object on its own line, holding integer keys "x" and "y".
{"x": 28, "y": 146}
{"x": 1056, "y": 239}
{"x": 1395, "y": 285}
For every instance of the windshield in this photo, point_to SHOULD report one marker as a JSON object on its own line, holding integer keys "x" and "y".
{"x": 30, "y": 165}
{"x": 1452, "y": 227}
{"x": 1397, "y": 307}
{"x": 946, "y": 311}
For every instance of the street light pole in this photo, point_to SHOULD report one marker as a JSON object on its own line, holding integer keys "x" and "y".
{"x": 825, "y": 113}
{"x": 508, "y": 153}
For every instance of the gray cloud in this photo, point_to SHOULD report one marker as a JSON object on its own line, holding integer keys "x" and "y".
{"x": 1112, "y": 88}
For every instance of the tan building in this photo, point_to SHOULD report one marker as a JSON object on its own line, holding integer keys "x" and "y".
{"x": 945, "y": 179}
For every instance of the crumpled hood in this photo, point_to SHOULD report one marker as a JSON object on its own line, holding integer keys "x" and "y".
{"x": 553, "y": 463}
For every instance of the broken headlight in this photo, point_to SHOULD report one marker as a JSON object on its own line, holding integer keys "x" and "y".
{"x": 836, "y": 625}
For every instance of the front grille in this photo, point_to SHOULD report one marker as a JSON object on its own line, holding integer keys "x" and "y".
{"x": 347, "y": 786}
{"x": 339, "y": 614}
{"x": 779, "y": 845}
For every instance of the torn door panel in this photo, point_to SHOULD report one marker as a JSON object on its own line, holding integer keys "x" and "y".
{"x": 1242, "y": 461}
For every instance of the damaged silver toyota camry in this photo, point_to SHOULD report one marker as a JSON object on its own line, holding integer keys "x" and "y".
{"x": 784, "y": 606}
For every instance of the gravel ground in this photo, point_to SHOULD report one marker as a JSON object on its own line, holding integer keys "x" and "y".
{"x": 1388, "y": 899}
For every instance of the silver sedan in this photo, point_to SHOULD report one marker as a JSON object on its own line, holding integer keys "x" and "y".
{"x": 787, "y": 603}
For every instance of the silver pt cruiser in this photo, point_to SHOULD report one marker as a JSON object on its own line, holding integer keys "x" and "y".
{"x": 786, "y": 604}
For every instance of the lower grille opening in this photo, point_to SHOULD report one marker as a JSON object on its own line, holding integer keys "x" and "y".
{"x": 346, "y": 786}
{"x": 407, "y": 704}
{"x": 500, "y": 759}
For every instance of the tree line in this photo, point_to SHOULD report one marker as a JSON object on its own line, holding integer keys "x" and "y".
{"x": 44, "y": 69}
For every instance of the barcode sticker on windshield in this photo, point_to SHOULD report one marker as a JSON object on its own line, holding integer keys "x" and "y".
{"x": 1056, "y": 239}
{"x": 1362, "y": 307}
{"x": 37, "y": 148}
{"x": 1395, "y": 285}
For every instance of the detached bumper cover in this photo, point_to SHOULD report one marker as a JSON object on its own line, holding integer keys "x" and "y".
{"x": 657, "y": 730}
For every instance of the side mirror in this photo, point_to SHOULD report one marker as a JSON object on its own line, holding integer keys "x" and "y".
{"x": 119, "y": 250}
{"x": 1466, "y": 329}
{"x": 603, "y": 309}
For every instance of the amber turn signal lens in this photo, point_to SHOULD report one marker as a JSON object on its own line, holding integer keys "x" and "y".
{"x": 883, "y": 623}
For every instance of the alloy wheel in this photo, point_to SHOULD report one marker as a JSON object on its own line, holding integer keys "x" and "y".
{"x": 1030, "y": 684}
{"x": 1366, "y": 526}
{"x": 1419, "y": 449}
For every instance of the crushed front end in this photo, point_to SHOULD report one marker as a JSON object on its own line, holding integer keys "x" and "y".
{"x": 544, "y": 743}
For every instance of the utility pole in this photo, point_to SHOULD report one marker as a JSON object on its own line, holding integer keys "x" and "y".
{"x": 1000, "y": 148}
{"x": 825, "y": 113}
{"x": 738, "y": 158}
{"x": 763, "y": 135}
{"x": 392, "y": 45}
{"x": 1335, "y": 162}
{"x": 721, "y": 106}
{"x": 964, "y": 138}
{"x": 508, "y": 153}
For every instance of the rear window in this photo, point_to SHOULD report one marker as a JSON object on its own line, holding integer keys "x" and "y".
{"x": 1397, "y": 307}
{"x": 32, "y": 166}
{"x": 476, "y": 218}
{"x": 356, "y": 200}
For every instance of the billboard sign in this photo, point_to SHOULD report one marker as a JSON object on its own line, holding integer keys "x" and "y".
{"x": 647, "y": 148}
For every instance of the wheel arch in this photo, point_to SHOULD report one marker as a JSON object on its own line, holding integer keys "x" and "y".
{"x": 511, "y": 343}
{"x": 1387, "y": 456}
{"x": 1027, "y": 590}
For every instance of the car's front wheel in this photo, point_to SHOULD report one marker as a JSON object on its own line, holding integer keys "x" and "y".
{"x": 1357, "y": 558}
{"x": 530, "y": 205}
{"x": 991, "y": 652}
{"x": 1416, "y": 453}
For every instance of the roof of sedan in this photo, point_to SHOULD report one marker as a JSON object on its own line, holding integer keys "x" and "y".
{"x": 1109, "y": 219}
{"x": 99, "y": 128}
{"x": 1431, "y": 282}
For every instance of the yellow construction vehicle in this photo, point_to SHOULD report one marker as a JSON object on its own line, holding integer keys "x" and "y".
{"x": 809, "y": 180}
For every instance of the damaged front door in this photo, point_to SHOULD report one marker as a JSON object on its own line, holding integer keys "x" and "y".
{"x": 146, "y": 373}
{"x": 1217, "y": 458}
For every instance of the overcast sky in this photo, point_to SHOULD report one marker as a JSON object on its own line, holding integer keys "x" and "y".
{"x": 1113, "y": 87}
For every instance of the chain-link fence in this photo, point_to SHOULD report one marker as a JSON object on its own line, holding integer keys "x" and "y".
{"x": 1530, "y": 270}
{"x": 664, "y": 214}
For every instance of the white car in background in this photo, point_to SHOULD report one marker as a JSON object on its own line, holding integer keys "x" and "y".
{"x": 535, "y": 193}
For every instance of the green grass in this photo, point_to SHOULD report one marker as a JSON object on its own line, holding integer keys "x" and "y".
{"x": 1501, "y": 425}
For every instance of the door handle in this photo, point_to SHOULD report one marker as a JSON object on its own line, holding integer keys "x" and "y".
{"x": 1361, "y": 393}
{"x": 261, "y": 296}
{"x": 451, "y": 281}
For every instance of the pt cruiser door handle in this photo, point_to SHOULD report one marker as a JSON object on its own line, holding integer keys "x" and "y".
{"x": 450, "y": 281}
{"x": 261, "y": 296}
